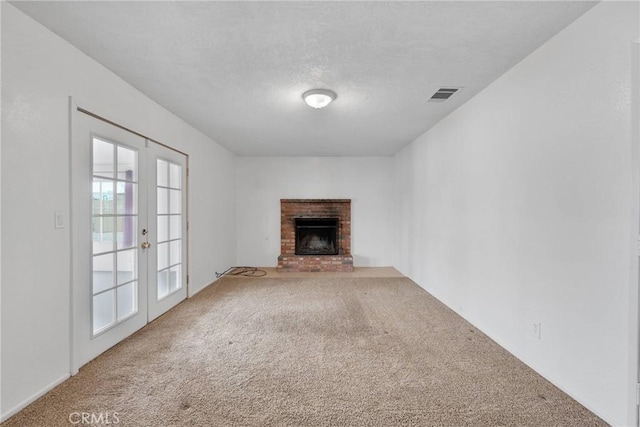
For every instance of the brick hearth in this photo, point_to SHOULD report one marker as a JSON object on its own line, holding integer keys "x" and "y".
{"x": 290, "y": 209}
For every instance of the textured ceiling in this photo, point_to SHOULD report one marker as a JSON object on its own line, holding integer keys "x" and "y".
{"x": 236, "y": 70}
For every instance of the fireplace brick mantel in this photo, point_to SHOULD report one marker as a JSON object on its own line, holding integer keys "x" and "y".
{"x": 290, "y": 209}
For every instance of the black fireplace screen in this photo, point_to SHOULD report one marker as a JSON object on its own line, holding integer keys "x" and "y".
{"x": 317, "y": 236}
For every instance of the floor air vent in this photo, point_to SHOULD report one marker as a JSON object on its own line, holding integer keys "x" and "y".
{"x": 443, "y": 94}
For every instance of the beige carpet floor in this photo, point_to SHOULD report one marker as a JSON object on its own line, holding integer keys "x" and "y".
{"x": 326, "y": 351}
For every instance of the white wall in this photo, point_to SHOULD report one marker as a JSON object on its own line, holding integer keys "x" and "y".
{"x": 0, "y": 226}
{"x": 39, "y": 72}
{"x": 519, "y": 208}
{"x": 516, "y": 209}
{"x": 263, "y": 181}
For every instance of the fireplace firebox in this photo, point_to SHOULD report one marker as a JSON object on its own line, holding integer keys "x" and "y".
{"x": 317, "y": 236}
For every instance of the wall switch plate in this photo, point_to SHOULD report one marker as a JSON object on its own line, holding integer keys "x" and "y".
{"x": 58, "y": 220}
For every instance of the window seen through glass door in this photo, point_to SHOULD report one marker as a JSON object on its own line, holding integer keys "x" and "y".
{"x": 114, "y": 231}
{"x": 170, "y": 239}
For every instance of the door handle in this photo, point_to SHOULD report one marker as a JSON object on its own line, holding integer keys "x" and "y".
{"x": 145, "y": 245}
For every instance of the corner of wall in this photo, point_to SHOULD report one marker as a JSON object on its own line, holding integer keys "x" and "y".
{"x": 634, "y": 279}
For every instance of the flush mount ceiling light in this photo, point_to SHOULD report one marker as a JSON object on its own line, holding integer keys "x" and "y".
{"x": 319, "y": 98}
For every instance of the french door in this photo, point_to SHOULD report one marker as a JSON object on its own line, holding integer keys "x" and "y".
{"x": 129, "y": 233}
{"x": 167, "y": 229}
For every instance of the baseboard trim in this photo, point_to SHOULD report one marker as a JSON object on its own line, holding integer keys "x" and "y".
{"x": 19, "y": 407}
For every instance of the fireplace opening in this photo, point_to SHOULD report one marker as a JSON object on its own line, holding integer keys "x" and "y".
{"x": 317, "y": 236}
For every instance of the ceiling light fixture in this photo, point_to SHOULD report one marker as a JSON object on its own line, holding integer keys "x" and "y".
{"x": 319, "y": 98}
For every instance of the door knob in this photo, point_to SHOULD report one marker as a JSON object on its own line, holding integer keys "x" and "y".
{"x": 145, "y": 245}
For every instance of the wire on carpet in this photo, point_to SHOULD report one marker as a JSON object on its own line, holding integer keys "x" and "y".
{"x": 242, "y": 271}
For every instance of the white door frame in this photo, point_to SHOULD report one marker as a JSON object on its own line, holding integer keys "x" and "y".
{"x": 89, "y": 342}
{"x": 75, "y": 269}
{"x": 634, "y": 285}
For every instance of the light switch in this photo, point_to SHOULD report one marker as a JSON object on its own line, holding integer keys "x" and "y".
{"x": 58, "y": 221}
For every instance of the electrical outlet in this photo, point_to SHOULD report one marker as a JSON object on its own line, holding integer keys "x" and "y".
{"x": 537, "y": 330}
{"x": 58, "y": 220}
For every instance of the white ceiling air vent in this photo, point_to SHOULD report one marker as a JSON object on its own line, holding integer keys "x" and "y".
{"x": 443, "y": 94}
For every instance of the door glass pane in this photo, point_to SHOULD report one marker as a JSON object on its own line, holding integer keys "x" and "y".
{"x": 163, "y": 228}
{"x": 127, "y": 261}
{"x": 175, "y": 176}
{"x": 176, "y": 202}
{"x": 163, "y": 201}
{"x": 176, "y": 227}
{"x": 163, "y": 284}
{"x": 127, "y": 295}
{"x": 163, "y": 171}
{"x": 127, "y": 164}
{"x": 102, "y": 234}
{"x": 103, "y": 158}
{"x": 103, "y": 202}
{"x": 103, "y": 272}
{"x": 163, "y": 256}
{"x": 127, "y": 198}
{"x": 175, "y": 278}
{"x": 103, "y": 310}
{"x": 175, "y": 256}
{"x": 127, "y": 231}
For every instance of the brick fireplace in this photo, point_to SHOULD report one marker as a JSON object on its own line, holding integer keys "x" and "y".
{"x": 315, "y": 235}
